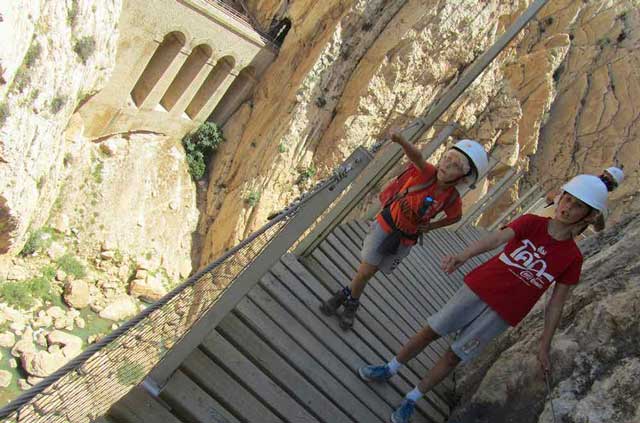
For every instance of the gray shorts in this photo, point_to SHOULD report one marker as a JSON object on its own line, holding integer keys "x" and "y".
{"x": 385, "y": 262}
{"x": 477, "y": 322}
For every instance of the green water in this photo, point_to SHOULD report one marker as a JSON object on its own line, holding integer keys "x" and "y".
{"x": 94, "y": 326}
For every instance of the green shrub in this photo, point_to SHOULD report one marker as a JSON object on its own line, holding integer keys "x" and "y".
{"x": 4, "y": 113}
{"x": 282, "y": 148}
{"x": 72, "y": 14}
{"x": 22, "y": 294}
{"x": 253, "y": 198}
{"x": 97, "y": 172}
{"x": 84, "y": 48}
{"x": 199, "y": 145}
{"x": 38, "y": 240}
{"x": 71, "y": 266}
{"x": 32, "y": 55}
{"x": 23, "y": 74}
{"x": 57, "y": 104}
{"x": 306, "y": 173}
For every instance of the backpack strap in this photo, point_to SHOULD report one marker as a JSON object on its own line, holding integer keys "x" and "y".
{"x": 414, "y": 188}
{"x": 452, "y": 199}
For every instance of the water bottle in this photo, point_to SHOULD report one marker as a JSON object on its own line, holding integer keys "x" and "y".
{"x": 428, "y": 201}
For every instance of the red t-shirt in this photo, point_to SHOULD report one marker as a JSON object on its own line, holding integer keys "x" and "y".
{"x": 409, "y": 224}
{"x": 513, "y": 281}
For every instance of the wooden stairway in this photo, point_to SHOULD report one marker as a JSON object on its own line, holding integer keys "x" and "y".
{"x": 276, "y": 358}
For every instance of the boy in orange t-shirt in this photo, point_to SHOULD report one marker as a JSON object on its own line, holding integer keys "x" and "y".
{"x": 397, "y": 227}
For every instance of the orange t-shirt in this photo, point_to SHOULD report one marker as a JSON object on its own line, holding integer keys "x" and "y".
{"x": 409, "y": 224}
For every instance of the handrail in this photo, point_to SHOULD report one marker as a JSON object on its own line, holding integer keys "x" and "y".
{"x": 242, "y": 19}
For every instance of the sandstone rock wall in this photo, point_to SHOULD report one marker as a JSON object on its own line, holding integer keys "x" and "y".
{"x": 347, "y": 72}
{"x": 54, "y": 54}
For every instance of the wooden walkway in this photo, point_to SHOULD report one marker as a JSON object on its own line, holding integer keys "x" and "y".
{"x": 276, "y": 358}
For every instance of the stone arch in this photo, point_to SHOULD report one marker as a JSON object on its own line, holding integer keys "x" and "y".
{"x": 218, "y": 74}
{"x": 237, "y": 93}
{"x": 198, "y": 58}
{"x": 162, "y": 58}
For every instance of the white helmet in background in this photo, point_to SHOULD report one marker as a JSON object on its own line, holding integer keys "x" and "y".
{"x": 477, "y": 156}
{"x": 616, "y": 173}
{"x": 589, "y": 189}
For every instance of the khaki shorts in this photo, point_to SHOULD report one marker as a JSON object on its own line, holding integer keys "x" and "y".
{"x": 476, "y": 322}
{"x": 385, "y": 262}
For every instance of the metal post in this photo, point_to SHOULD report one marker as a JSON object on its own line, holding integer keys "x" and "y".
{"x": 514, "y": 206}
{"x": 376, "y": 170}
{"x": 495, "y": 193}
{"x": 251, "y": 275}
{"x": 535, "y": 205}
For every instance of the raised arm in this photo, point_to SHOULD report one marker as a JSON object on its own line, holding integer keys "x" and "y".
{"x": 412, "y": 152}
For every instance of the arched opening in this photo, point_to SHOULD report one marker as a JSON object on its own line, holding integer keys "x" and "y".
{"x": 218, "y": 74}
{"x": 186, "y": 75}
{"x": 237, "y": 93}
{"x": 279, "y": 30}
{"x": 157, "y": 66}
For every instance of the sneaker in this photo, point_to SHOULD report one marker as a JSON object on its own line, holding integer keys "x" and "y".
{"x": 403, "y": 413}
{"x": 348, "y": 316}
{"x": 375, "y": 373}
{"x": 330, "y": 306}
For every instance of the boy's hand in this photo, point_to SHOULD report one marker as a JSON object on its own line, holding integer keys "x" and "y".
{"x": 424, "y": 227}
{"x": 543, "y": 358}
{"x": 450, "y": 263}
{"x": 396, "y": 135}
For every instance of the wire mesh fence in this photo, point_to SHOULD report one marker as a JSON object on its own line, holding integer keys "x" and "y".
{"x": 86, "y": 387}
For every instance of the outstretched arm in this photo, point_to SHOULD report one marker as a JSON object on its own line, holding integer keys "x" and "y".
{"x": 551, "y": 319}
{"x": 492, "y": 241}
{"x": 412, "y": 152}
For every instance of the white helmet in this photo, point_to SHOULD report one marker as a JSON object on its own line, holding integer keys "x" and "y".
{"x": 589, "y": 189}
{"x": 478, "y": 158}
{"x": 616, "y": 173}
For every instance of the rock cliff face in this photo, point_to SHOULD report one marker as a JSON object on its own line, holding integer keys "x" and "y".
{"x": 349, "y": 70}
{"x": 594, "y": 353}
{"x": 53, "y": 55}
{"x": 132, "y": 191}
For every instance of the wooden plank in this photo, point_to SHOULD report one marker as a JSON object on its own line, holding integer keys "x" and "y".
{"x": 409, "y": 305}
{"x": 386, "y": 311}
{"x": 279, "y": 244}
{"x": 310, "y": 357}
{"x": 249, "y": 375}
{"x": 379, "y": 352}
{"x": 297, "y": 270}
{"x": 294, "y": 381}
{"x": 346, "y": 345}
{"x": 138, "y": 406}
{"x": 214, "y": 380}
{"x": 192, "y": 404}
{"x": 433, "y": 293}
{"x": 402, "y": 282}
{"x": 387, "y": 335}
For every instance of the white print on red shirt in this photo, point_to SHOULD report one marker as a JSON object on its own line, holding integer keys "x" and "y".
{"x": 529, "y": 260}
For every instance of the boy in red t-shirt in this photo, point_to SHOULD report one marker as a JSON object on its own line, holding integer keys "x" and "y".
{"x": 539, "y": 251}
{"x": 428, "y": 192}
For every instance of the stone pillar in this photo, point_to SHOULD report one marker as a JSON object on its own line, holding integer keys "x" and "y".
{"x": 208, "y": 108}
{"x": 185, "y": 98}
{"x": 153, "y": 99}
